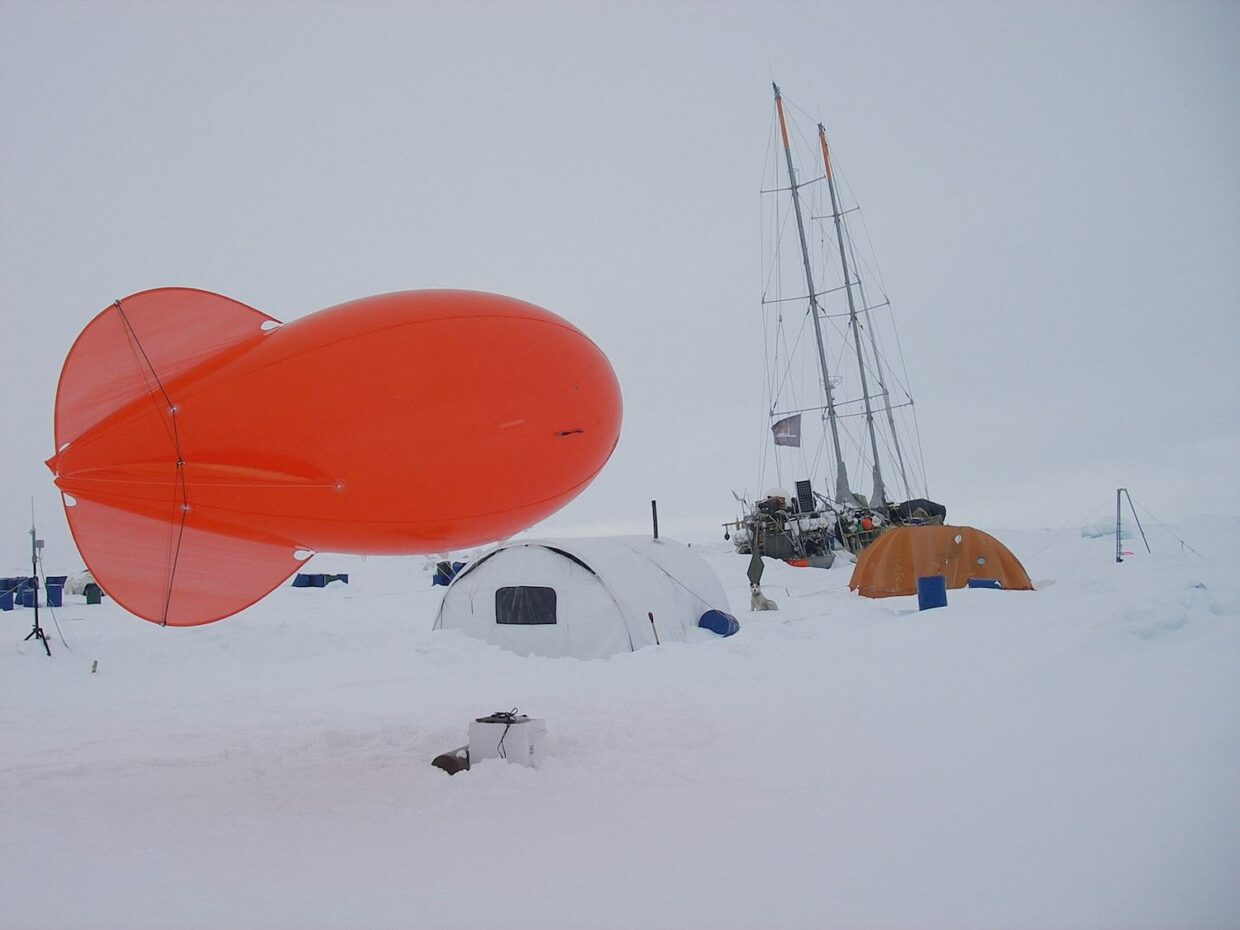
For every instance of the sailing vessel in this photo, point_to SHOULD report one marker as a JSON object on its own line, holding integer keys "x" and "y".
{"x": 834, "y": 396}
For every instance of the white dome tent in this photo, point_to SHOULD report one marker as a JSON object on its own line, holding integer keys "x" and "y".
{"x": 585, "y": 598}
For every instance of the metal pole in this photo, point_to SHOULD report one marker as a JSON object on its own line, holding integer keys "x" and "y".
{"x": 1119, "y": 548}
{"x": 842, "y": 493}
{"x": 37, "y": 632}
{"x": 654, "y": 516}
{"x": 879, "y": 497}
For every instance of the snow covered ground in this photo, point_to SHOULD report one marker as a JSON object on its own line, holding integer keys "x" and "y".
{"x": 1066, "y": 757}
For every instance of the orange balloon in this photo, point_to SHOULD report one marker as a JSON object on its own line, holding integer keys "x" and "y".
{"x": 200, "y": 443}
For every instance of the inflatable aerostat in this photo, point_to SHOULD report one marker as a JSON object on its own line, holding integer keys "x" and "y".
{"x": 204, "y": 449}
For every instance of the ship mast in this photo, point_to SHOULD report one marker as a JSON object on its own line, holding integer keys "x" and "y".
{"x": 842, "y": 493}
{"x": 879, "y": 497}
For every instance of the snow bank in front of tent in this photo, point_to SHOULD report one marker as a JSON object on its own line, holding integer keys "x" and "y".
{"x": 1064, "y": 756}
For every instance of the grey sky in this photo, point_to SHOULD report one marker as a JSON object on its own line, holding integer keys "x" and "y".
{"x": 1051, "y": 190}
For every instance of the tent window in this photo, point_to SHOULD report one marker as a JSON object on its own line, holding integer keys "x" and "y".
{"x": 525, "y": 605}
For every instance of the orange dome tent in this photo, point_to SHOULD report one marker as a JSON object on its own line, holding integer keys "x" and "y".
{"x": 892, "y": 565}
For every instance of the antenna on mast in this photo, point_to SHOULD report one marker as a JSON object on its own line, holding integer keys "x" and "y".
{"x": 36, "y": 545}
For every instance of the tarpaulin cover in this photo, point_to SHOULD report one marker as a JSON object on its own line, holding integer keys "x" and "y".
{"x": 893, "y": 563}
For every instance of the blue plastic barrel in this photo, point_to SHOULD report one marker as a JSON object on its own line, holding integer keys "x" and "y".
{"x": 6, "y": 600}
{"x": 931, "y": 592}
{"x": 54, "y": 592}
{"x": 27, "y": 596}
{"x": 718, "y": 622}
{"x": 984, "y": 583}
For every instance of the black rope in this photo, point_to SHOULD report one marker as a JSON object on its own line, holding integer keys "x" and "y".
{"x": 176, "y": 557}
{"x": 506, "y": 717}
{"x": 1149, "y": 514}
{"x": 148, "y": 373}
{"x": 674, "y": 579}
{"x": 175, "y": 436}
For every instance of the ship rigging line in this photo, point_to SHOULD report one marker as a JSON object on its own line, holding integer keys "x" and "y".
{"x": 800, "y": 297}
{"x": 779, "y": 414}
{"x": 882, "y": 285}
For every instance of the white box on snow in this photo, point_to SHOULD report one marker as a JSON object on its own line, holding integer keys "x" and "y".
{"x": 522, "y": 741}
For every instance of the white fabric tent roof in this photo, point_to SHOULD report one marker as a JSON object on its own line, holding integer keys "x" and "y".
{"x": 606, "y": 588}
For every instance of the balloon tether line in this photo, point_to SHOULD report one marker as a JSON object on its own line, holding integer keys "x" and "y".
{"x": 180, "y": 463}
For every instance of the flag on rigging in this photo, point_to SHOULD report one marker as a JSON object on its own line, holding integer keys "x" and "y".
{"x": 787, "y": 431}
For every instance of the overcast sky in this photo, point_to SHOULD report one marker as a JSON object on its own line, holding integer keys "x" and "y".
{"x": 1052, "y": 191}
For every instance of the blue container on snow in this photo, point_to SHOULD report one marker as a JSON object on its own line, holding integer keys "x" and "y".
{"x": 318, "y": 580}
{"x": 984, "y": 583}
{"x": 6, "y": 600}
{"x": 931, "y": 592}
{"x": 27, "y": 596}
{"x": 54, "y": 592}
{"x": 718, "y": 622}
